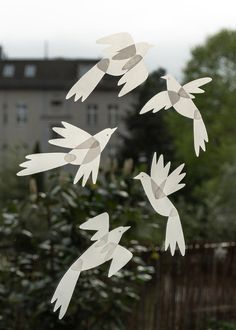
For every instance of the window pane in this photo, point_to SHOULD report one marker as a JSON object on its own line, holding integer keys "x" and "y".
{"x": 113, "y": 114}
{"x": 4, "y": 114}
{"x": 8, "y": 70}
{"x": 30, "y": 70}
{"x": 56, "y": 103}
{"x": 21, "y": 114}
{"x": 92, "y": 115}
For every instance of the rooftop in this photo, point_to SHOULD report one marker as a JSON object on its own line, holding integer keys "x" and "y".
{"x": 46, "y": 74}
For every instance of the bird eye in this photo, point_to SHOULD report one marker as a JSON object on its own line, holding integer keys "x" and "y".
{"x": 107, "y": 134}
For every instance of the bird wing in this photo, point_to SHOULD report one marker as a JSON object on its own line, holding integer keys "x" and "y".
{"x": 100, "y": 223}
{"x": 125, "y": 53}
{"x": 86, "y": 169}
{"x": 193, "y": 86}
{"x": 37, "y": 163}
{"x": 172, "y": 182}
{"x": 102, "y": 241}
{"x": 72, "y": 136}
{"x": 168, "y": 183}
{"x": 116, "y": 41}
{"x": 157, "y": 102}
{"x": 159, "y": 172}
{"x": 133, "y": 78}
{"x": 109, "y": 249}
{"x": 132, "y": 62}
{"x": 121, "y": 257}
{"x": 89, "y": 81}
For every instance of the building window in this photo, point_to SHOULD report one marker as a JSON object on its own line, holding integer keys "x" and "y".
{"x": 53, "y": 134}
{"x": 4, "y": 114}
{"x": 56, "y": 103}
{"x": 30, "y": 70}
{"x": 8, "y": 70}
{"x": 21, "y": 114}
{"x": 113, "y": 114}
{"x": 92, "y": 115}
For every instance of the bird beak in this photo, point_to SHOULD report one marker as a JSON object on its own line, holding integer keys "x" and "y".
{"x": 126, "y": 228}
{"x": 113, "y": 130}
{"x": 136, "y": 177}
{"x": 164, "y": 77}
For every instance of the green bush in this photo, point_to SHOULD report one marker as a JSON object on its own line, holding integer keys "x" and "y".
{"x": 41, "y": 238}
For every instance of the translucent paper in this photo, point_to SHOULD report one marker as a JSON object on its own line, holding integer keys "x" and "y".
{"x": 105, "y": 248}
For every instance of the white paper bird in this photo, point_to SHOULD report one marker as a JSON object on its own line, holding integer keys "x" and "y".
{"x": 86, "y": 152}
{"x": 123, "y": 58}
{"x": 158, "y": 187}
{"x": 105, "y": 248}
{"x": 180, "y": 98}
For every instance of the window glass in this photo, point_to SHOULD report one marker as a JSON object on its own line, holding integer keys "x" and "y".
{"x": 8, "y": 70}
{"x": 21, "y": 113}
{"x": 4, "y": 114}
{"x": 92, "y": 115}
{"x": 56, "y": 103}
{"x": 113, "y": 114}
{"x": 30, "y": 70}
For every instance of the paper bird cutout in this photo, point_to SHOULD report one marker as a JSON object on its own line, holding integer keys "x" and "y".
{"x": 105, "y": 248}
{"x": 157, "y": 187}
{"x": 180, "y": 98}
{"x": 86, "y": 152}
{"x": 123, "y": 58}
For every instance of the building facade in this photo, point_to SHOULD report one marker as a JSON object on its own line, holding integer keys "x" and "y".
{"x": 32, "y": 101}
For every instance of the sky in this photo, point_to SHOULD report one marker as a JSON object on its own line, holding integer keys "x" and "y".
{"x": 70, "y": 28}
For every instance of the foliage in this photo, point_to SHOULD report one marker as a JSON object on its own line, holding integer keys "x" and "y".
{"x": 147, "y": 133}
{"x": 216, "y": 325}
{"x": 40, "y": 237}
{"x": 207, "y": 201}
{"x": 39, "y": 231}
{"x": 209, "y": 195}
{"x": 11, "y": 186}
{"x": 215, "y": 58}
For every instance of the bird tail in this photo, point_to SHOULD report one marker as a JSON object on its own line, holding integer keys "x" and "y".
{"x": 65, "y": 288}
{"x": 42, "y": 162}
{"x": 86, "y": 84}
{"x": 200, "y": 135}
{"x": 85, "y": 170}
{"x": 174, "y": 234}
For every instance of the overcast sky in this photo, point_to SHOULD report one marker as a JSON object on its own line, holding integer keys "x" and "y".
{"x": 71, "y": 27}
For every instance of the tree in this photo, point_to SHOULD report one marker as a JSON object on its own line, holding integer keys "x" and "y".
{"x": 216, "y": 59}
{"x": 207, "y": 201}
{"x": 39, "y": 177}
{"x": 41, "y": 238}
{"x": 147, "y": 133}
